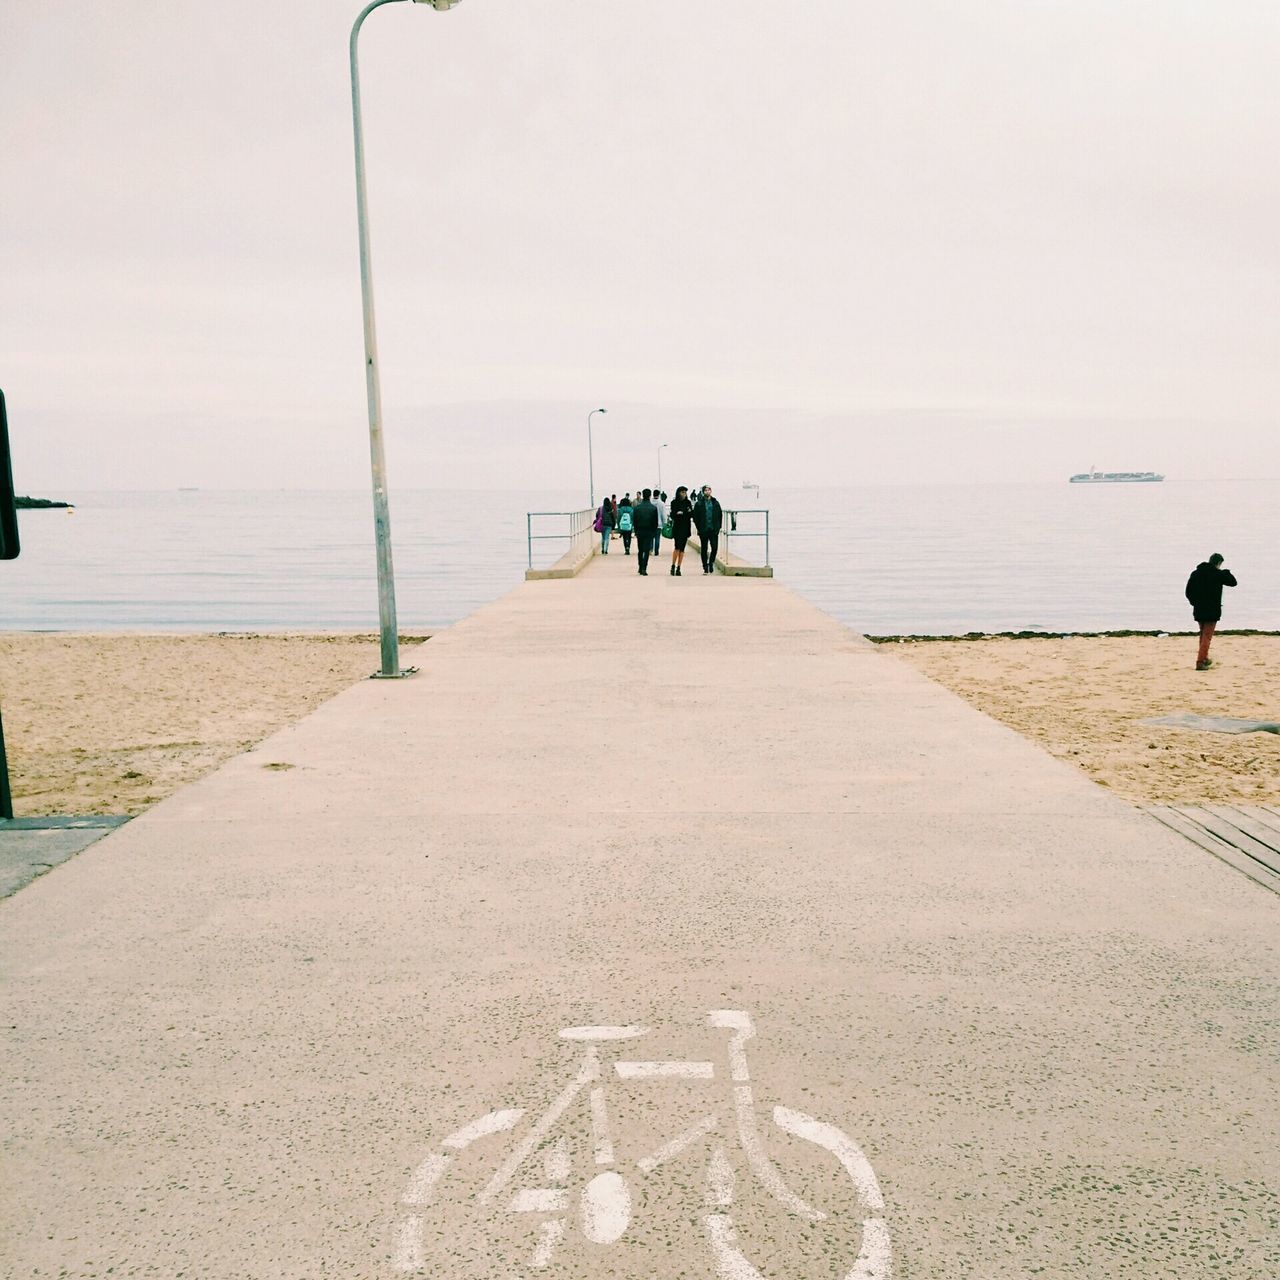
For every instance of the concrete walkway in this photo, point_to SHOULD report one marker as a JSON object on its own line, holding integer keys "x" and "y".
{"x": 303, "y": 1022}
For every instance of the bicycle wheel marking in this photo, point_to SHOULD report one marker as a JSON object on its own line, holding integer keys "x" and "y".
{"x": 843, "y": 1147}
{"x": 599, "y": 1204}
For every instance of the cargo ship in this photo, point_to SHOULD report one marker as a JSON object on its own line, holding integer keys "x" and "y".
{"x": 1094, "y": 476}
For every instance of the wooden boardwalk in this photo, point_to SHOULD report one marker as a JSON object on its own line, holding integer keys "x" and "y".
{"x": 1245, "y": 836}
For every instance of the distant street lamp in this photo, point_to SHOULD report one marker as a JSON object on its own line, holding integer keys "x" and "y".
{"x": 660, "y": 449}
{"x": 373, "y": 389}
{"x": 591, "y": 462}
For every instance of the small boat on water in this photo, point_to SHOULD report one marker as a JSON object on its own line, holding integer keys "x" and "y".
{"x": 1094, "y": 476}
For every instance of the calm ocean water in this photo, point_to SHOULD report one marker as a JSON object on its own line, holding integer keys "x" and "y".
{"x": 932, "y": 560}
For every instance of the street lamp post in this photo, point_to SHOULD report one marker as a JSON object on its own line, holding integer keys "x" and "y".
{"x": 660, "y": 449}
{"x": 591, "y": 462}
{"x": 377, "y": 456}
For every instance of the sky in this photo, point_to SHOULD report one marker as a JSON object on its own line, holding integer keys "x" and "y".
{"x": 830, "y": 242}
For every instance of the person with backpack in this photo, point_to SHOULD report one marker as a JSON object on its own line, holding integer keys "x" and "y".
{"x": 626, "y": 525}
{"x": 605, "y": 520}
{"x": 1204, "y": 594}
{"x": 708, "y": 517}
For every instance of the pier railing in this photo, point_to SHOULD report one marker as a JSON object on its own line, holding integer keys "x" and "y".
{"x": 749, "y": 523}
{"x": 572, "y": 527}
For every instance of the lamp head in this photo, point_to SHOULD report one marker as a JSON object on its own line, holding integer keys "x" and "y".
{"x": 441, "y": 5}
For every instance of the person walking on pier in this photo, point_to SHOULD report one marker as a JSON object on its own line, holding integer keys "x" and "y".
{"x": 681, "y": 523}
{"x": 708, "y": 516}
{"x": 626, "y": 518}
{"x": 1204, "y": 592}
{"x": 646, "y": 523}
{"x": 659, "y": 501}
{"x": 605, "y": 520}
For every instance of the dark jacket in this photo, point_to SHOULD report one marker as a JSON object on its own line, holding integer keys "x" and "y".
{"x": 1204, "y": 590}
{"x": 607, "y": 518}
{"x": 707, "y": 516}
{"x": 646, "y": 519}
{"x": 681, "y": 517}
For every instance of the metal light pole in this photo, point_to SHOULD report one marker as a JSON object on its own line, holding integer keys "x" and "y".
{"x": 660, "y": 449}
{"x": 591, "y": 462}
{"x": 377, "y": 455}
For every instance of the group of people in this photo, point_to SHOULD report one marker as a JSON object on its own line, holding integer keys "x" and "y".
{"x": 647, "y": 519}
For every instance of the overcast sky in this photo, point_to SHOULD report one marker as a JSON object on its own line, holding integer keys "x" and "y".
{"x": 817, "y": 242}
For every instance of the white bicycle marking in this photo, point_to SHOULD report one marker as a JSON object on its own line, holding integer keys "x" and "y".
{"x": 653, "y": 1070}
{"x": 556, "y": 1163}
{"x": 731, "y": 1264}
{"x": 550, "y": 1236}
{"x": 678, "y": 1144}
{"x": 409, "y": 1250}
{"x": 429, "y": 1172}
{"x": 589, "y": 1072}
{"x": 606, "y": 1208}
{"x": 720, "y": 1179}
{"x": 760, "y": 1163}
{"x": 600, "y": 1127}
{"x": 539, "y": 1200}
{"x": 843, "y": 1147}
{"x": 494, "y": 1122}
{"x": 603, "y": 1197}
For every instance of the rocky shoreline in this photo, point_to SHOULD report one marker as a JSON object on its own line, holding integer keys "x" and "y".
{"x": 24, "y": 503}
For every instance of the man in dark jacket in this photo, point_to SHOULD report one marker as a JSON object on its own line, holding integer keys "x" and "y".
{"x": 1204, "y": 591}
{"x": 645, "y": 521}
{"x": 708, "y": 518}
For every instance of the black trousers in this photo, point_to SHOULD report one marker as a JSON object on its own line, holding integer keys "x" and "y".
{"x": 710, "y": 546}
{"x": 626, "y": 541}
{"x": 643, "y": 547}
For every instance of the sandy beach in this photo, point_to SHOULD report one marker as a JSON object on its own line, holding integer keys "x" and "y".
{"x": 113, "y": 723}
{"x": 1084, "y": 699}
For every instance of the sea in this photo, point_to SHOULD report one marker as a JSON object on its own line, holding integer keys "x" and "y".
{"x": 886, "y": 560}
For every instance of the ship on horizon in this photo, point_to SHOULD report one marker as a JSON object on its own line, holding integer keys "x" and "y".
{"x": 1094, "y": 476}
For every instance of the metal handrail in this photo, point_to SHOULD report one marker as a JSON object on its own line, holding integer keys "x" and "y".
{"x": 580, "y": 523}
{"x": 729, "y": 529}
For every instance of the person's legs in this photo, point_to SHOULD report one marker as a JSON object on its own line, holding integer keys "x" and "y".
{"x": 604, "y": 540}
{"x": 713, "y": 546}
{"x": 626, "y": 542}
{"x": 642, "y": 555}
{"x": 657, "y": 542}
{"x": 1206, "y": 635}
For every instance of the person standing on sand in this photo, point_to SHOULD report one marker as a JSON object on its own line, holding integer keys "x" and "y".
{"x": 1204, "y": 592}
{"x": 646, "y": 523}
{"x": 681, "y": 522}
{"x": 708, "y": 516}
{"x": 626, "y": 516}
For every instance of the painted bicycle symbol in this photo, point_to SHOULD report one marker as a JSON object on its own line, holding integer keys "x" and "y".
{"x": 599, "y": 1200}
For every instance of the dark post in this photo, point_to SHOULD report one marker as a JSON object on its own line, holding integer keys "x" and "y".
{"x": 8, "y": 512}
{"x": 6, "y": 796}
{"x": 8, "y": 551}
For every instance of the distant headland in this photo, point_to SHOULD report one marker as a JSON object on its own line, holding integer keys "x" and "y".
{"x": 23, "y": 503}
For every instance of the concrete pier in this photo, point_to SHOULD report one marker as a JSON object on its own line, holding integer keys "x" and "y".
{"x": 658, "y": 928}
